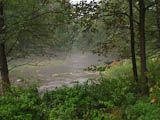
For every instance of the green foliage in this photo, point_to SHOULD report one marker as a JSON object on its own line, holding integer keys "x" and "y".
{"x": 120, "y": 71}
{"x": 153, "y": 75}
{"x": 100, "y": 28}
{"x": 21, "y": 104}
{"x": 45, "y": 25}
{"x": 104, "y": 98}
{"x": 125, "y": 70}
{"x": 87, "y": 101}
{"x": 117, "y": 71}
{"x": 79, "y": 102}
{"x": 130, "y": 98}
{"x": 142, "y": 111}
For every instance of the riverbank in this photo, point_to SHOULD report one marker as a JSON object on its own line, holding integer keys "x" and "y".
{"x": 111, "y": 98}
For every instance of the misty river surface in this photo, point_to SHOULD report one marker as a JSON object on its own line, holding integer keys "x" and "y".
{"x": 55, "y": 72}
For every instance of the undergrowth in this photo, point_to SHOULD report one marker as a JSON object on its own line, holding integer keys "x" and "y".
{"x": 103, "y": 99}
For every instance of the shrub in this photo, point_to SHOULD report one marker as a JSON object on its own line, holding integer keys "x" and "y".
{"x": 105, "y": 98}
{"x": 21, "y": 104}
{"x": 142, "y": 111}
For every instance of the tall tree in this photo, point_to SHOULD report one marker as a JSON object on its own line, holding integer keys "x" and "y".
{"x": 144, "y": 81}
{"x": 3, "y": 59}
{"x": 133, "y": 42}
{"x": 33, "y": 21}
{"x": 158, "y": 18}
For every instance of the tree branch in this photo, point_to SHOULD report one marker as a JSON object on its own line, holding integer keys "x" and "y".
{"x": 125, "y": 14}
{"x": 151, "y": 5}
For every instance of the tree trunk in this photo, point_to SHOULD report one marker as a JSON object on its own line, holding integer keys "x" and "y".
{"x": 134, "y": 66}
{"x": 144, "y": 85}
{"x": 3, "y": 59}
{"x": 158, "y": 20}
{"x": 4, "y": 66}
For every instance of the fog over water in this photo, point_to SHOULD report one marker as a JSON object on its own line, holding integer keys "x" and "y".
{"x": 57, "y": 71}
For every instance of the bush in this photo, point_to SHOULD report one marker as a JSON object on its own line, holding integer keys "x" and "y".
{"x": 93, "y": 100}
{"x": 21, "y": 104}
{"x": 142, "y": 111}
{"x": 90, "y": 101}
{"x": 103, "y": 99}
{"x": 153, "y": 73}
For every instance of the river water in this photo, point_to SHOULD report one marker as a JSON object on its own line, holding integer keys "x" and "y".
{"x": 55, "y": 72}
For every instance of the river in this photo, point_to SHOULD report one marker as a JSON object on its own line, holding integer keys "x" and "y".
{"x": 52, "y": 72}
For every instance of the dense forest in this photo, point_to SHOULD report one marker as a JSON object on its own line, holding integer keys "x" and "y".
{"x": 121, "y": 72}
